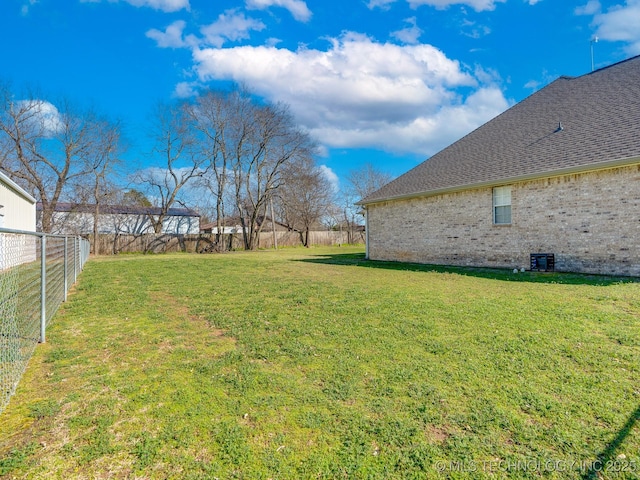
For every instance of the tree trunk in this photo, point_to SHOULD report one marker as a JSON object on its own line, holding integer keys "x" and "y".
{"x": 47, "y": 215}
{"x": 96, "y": 216}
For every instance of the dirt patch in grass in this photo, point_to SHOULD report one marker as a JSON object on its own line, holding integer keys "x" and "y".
{"x": 173, "y": 308}
{"x": 437, "y": 434}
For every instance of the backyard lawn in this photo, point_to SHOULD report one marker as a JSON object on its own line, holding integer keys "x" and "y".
{"x": 315, "y": 363}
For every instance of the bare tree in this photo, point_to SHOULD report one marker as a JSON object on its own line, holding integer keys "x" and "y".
{"x": 46, "y": 147}
{"x": 360, "y": 183}
{"x": 213, "y": 116}
{"x": 305, "y": 197}
{"x": 181, "y": 160}
{"x": 367, "y": 180}
{"x": 248, "y": 145}
{"x": 269, "y": 142}
{"x": 101, "y": 163}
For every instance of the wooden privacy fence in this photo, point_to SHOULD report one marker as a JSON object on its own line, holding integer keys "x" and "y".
{"x": 110, "y": 244}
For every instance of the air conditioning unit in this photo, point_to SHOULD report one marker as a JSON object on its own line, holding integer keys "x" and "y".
{"x": 542, "y": 262}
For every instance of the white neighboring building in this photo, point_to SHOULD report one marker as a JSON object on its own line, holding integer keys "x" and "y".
{"x": 17, "y": 207}
{"x": 77, "y": 219}
{"x": 17, "y": 212}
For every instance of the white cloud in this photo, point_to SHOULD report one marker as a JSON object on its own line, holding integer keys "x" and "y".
{"x": 163, "y": 5}
{"x": 297, "y": 8}
{"x": 272, "y": 42}
{"x": 331, "y": 176}
{"x": 477, "y": 5}
{"x": 474, "y": 29}
{"x": 621, "y": 23}
{"x": 232, "y": 26}
{"x": 382, "y": 4}
{"x": 409, "y": 35}
{"x": 424, "y": 134}
{"x": 171, "y": 37}
{"x": 360, "y": 93}
{"x": 545, "y": 79}
{"x": 26, "y": 7}
{"x": 187, "y": 89}
{"x": 590, "y": 8}
{"x": 42, "y": 116}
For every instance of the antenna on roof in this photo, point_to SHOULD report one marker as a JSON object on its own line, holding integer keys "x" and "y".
{"x": 560, "y": 127}
{"x": 593, "y": 40}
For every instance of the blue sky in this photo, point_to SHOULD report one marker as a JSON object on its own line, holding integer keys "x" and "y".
{"x": 389, "y": 82}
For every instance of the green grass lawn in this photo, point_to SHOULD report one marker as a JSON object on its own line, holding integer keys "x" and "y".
{"x": 315, "y": 363}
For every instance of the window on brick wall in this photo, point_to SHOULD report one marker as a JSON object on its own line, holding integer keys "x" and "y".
{"x": 502, "y": 205}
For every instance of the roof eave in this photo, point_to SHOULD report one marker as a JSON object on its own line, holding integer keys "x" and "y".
{"x": 16, "y": 188}
{"x": 621, "y": 162}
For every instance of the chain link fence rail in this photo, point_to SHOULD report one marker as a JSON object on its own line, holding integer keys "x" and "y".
{"x": 36, "y": 272}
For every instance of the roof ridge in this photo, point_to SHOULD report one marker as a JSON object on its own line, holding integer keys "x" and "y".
{"x": 626, "y": 60}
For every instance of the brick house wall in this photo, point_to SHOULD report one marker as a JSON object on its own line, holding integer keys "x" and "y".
{"x": 590, "y": 221}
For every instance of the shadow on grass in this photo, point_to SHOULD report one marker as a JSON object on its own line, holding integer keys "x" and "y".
{"x": 606, "y": 460}
{"x": 358, "y": 259}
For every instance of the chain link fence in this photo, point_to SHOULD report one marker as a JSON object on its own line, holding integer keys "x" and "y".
{"x": 36, "y": 272}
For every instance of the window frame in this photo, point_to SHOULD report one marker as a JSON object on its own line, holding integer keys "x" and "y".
{"x": 501, "y": 199}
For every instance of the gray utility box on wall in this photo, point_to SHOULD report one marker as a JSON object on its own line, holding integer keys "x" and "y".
{"x": 542, "y": 262}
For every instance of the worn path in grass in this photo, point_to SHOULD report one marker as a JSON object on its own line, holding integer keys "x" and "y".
{"x": 314, "y": 363}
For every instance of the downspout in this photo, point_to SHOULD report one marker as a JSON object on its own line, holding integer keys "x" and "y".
{"x": 366, "y": 233}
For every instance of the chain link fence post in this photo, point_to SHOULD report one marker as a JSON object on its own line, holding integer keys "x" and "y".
{"x": 66, "y": 261}
{"x": 76, "y": 240}
{"x": 43, "y": 288}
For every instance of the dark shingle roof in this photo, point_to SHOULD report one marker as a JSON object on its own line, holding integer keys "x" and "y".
{"x": 120, "y": 209}
{"x": 572, "y": 124}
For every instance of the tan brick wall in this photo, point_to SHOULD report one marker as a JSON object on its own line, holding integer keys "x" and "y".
{"x": 590, "y": 221}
